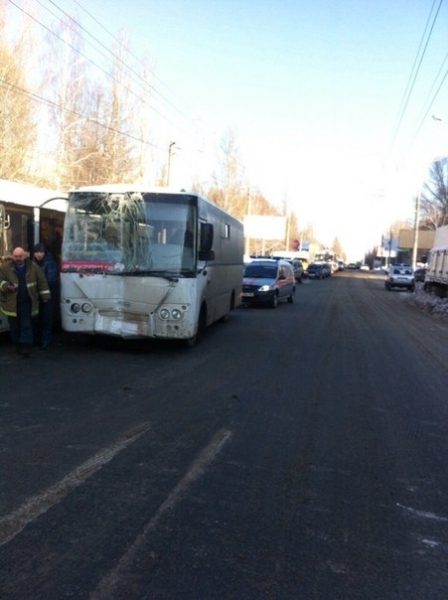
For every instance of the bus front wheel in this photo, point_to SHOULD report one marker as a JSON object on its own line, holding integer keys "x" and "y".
{"x": 202, "y": 324}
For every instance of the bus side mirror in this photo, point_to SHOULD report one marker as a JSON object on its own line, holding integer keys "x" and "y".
{"x": 206, "y": 255}
{"x": 206, "y": 242}
{"x": 206, "y": 237}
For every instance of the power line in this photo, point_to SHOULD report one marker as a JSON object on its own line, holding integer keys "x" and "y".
{"x": 436, "y": 93}
{"x": 136, "y": 58}
{"x": 127, "y": 67}
{"x": 141, "y": 81}
{"x": 87, "y": 118}
{"x": 72, "y": 24}
{"x": 415, "y": 69}
{"x": 77, "y": 51}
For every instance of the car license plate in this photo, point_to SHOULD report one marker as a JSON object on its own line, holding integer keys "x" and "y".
{"x": 248, "y": 294}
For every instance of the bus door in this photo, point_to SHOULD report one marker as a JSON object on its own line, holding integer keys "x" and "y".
{"x": 51, "y": 227}
{"x": 19, "y": 228}
{"x": 2, "y": 231}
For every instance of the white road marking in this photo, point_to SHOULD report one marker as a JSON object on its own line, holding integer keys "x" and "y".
{"x": 430, "y": 543}
{"x": 15, "y": 522}
{"x": 121, "y": 575}
{"x": 423, "y": 513}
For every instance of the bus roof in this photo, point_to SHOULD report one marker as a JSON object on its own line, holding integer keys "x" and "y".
{"x": 122, "y": 188}
{"x": 25, "y": 194}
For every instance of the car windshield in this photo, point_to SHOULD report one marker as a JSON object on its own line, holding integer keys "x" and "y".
{"x": 260, "y": 271}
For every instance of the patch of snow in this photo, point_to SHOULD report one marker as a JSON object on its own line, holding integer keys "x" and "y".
{"x": 429, "y": 303}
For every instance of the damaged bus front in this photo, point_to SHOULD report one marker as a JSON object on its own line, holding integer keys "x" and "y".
{"x": 155, "y": 264}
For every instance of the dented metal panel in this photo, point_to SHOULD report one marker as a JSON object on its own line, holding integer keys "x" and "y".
{"x": 132, "y": 264}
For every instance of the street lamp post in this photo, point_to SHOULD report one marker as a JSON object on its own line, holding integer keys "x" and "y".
{"x": 249, "y": 212}
{"x": 416, "y": 226}
{"x": 168, "y": 168}
{"x": 390, "y": 247}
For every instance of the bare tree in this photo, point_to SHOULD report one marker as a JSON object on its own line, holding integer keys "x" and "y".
{"x": 73, "y": 104}
{"x": 434, "y": 199}
{"x": 17, "y": 125}
{"x": 94, "y": 112}
{"x": 229, "y": 190}
{"x": 119, "y": 144}
{"x": 337, "y": 247}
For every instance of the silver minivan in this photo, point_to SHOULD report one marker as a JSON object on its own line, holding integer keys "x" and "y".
{"x": 267, "y": 281}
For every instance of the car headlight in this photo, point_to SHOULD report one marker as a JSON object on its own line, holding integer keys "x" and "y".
{"x": 264, "y": 288}
{"x": 75, "y": 308}
{"x": 86, "y": 307}
{"x": 176, "y": 314}
{"x": 164, "y": 313}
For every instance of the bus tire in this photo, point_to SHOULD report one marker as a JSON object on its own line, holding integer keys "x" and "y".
{"x": 226, "y": 317}
{"x": 202, "y": 324}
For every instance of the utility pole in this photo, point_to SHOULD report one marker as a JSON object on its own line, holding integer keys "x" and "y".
{"x": 168, "y": 168}
{"x": 390, "y": 246}
{"x": 248, "y": 212}
{"x": 416, "y": 226}
{"x": 288, "y": 231}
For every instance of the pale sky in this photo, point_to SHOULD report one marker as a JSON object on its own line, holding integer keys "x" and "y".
{"x": 312, "y": 89}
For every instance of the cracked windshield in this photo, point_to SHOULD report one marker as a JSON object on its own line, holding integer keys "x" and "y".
{"x": 128, "y": 234}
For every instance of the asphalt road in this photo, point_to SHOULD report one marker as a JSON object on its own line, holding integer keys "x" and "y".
{"x": 296, "y": 453}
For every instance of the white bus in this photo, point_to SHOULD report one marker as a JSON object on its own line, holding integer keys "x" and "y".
{"x": 139, "y": 263}
{"x": 29, "y": 214}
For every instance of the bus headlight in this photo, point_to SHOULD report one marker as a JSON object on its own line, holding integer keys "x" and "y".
{"x": 175, "y": 314}
{"x": 86, "y": 307}
{"x": 75, "y": 308}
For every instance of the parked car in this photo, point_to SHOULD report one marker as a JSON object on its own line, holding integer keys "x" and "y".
{"x": 419, "y": 274}
{"x": 318, "y": 270}
{"x": 333, "y": 266}
{"x": 351, "y": 266}
{"x": 296, "y": 264}
{"x": 401, "y": 276}
{"x": 328, "y": 269}
{"x": 298, "y": 269}
{"x": 268, "y": 281}
{"x": 364, "y": 267}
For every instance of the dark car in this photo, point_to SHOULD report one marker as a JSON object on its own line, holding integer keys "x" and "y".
{"x": 420, "y": 274}
{"x": 268, "y": 281}
{"x": 318, "y": 270}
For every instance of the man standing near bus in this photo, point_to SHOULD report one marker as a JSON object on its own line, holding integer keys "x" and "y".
{"x": 22, "y": 285}
{"x": 44, "y": 330}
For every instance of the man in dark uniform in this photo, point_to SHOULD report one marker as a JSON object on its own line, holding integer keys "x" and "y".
{"x": 44, "y": 330}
